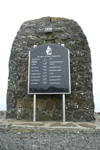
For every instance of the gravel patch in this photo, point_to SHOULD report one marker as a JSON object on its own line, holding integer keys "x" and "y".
{"x": 49, "y": 140}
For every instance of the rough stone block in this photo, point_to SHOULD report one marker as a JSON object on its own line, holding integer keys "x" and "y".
{"x": 80, "y": 103}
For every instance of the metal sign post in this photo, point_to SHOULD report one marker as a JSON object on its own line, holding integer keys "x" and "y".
{"x": 34, "y": 108}
{"x": 63, "y": 104}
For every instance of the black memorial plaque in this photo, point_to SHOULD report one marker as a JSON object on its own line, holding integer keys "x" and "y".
{"x": 49, "y": 70}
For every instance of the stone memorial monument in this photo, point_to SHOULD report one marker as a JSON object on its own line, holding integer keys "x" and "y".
{"x": 49, "y": 57}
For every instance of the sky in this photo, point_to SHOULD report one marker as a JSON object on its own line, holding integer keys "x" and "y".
{"x": 14, "y": 12}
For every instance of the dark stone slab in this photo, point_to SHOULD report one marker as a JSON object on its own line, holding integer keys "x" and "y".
{"x": 49, "y": 70}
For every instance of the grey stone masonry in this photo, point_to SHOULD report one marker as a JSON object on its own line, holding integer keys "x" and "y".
{"x": 80, "y": 103}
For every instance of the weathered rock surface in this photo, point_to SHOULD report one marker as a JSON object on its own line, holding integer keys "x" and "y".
{"x": 79, "y": 104}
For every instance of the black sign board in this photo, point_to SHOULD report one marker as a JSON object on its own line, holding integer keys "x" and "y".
{"x": 49, "y": 70}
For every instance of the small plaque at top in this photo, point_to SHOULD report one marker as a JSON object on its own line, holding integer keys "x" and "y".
{"x": 48, "y": 29}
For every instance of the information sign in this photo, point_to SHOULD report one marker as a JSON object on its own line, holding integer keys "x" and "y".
{"x": 49, "y": 70}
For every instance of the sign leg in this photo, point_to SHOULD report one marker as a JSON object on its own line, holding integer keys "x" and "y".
{"x": 63, "y": 104}
{"x": 34, "y": 108}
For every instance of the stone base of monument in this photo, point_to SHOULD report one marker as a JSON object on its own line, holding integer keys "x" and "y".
{"x": 25, "y": 126}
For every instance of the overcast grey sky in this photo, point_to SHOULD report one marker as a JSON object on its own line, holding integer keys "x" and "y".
{"x": 14, "y": 12}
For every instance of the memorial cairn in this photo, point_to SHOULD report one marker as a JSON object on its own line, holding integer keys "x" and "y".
{"x": 50, "y": 75}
